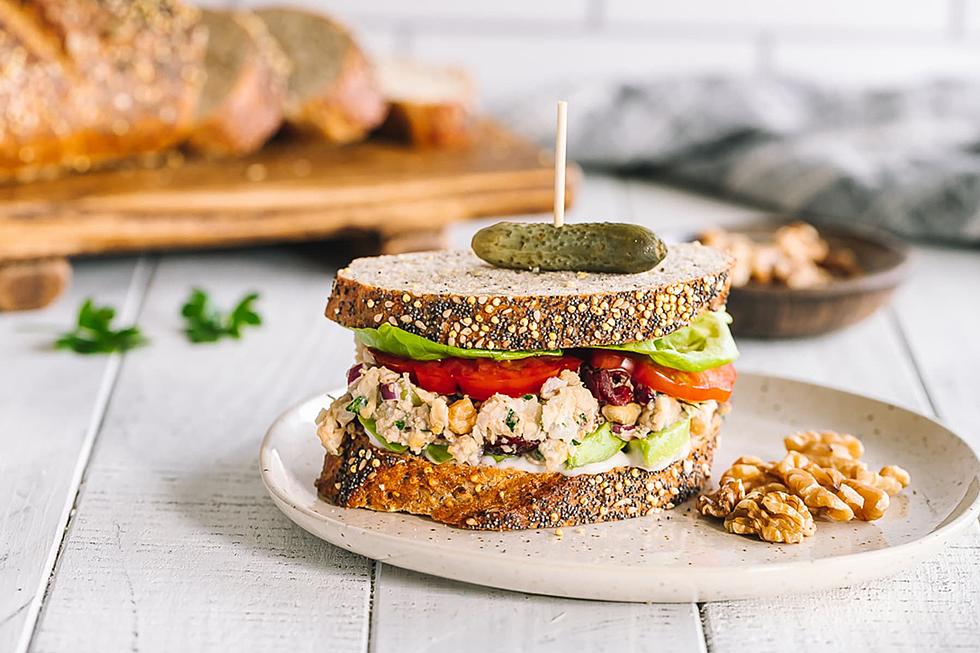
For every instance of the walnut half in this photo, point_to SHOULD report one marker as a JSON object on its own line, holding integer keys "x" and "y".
{"x": 774, "y": 516}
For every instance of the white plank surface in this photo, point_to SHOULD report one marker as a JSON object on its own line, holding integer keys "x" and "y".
{"x": 414, "y": 612}
{"x": 939, "y": 312}
{"x": 175, "y": 546}
{"x": 50, "y": 407}
{"x": 912, "y": 612}
{"x": 443, "y": 611}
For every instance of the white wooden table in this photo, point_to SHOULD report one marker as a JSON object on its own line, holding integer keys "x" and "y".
{"x": 132, "y": 516}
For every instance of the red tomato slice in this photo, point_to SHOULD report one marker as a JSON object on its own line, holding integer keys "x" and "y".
{"x": 606, "y": 359}
{"x": 714, "y": 384}
{"x": 434, "y": 376}
{"x": 480, "y": 378}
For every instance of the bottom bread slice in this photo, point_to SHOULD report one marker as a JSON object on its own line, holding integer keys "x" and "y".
{"x": 493, "y": 498}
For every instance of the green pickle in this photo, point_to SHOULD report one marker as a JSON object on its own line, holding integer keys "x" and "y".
{"x": 580, "y": 247}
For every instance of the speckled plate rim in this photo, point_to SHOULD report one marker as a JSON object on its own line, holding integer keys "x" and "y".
{"x": 665, "y": 583}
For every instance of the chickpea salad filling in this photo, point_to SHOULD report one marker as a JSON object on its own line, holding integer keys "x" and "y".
{"x": 576, "y": 411}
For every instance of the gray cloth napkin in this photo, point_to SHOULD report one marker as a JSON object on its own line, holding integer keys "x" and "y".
{"x": 907, "y": 160}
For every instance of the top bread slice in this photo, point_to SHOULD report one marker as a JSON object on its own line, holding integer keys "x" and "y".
{"x": 454, "y": 298}
{"x": 332, "y": 88}
{"x": 84, "y": 81}
{"x": 242, "y": 100}
{"x": 430, "y": 106}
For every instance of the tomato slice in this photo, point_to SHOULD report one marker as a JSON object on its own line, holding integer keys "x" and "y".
{"x": 714, "y": 384}
{"x": 480, "y": 378}
{"x": 607, "y": 359}
{"x": 434, "y": 376}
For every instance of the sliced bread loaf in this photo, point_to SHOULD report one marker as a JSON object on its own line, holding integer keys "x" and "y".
{"x": 455, "y": 298}
{"x": 84, "y": 81}
{"x": 332, "y": 88}
{"x": 241, "y": 104}
{"x": 430, "y": 106}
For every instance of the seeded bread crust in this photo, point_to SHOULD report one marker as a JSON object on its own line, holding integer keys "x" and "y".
{"x": 490, "y": 498}
{"x": 84, "y": 81}
{"x": 454, "y": 298}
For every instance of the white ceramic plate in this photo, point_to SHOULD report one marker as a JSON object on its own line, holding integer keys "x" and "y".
{"x": 676, "y": 555}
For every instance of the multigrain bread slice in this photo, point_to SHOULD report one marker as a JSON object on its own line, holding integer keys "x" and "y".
{"x": 454, "y": 298}
{"x": 491, "y": 498}
{"x": 84, "y": 81}
{"x": 332, "y": 87}
{"x": 430, "y": 106}
{"x": 241, "y": 104}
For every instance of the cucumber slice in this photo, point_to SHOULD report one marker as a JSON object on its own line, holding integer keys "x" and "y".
{"x": 438, "y": 453}
{"x": 597, "y": 446}
{"x": 372, "y": 430}
{"x": 662, "y": 447}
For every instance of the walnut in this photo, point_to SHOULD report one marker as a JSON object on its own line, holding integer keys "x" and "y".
{"x": 627, "y": 414}
{"x": 462, "y": 416}
{"x": 825, "y": 443}
{"x": 774, "y": 516}
{"x": 897, "y": 473}
{"x": 723, "y": 500}
{"x": 822, "y": 501}
{"x": 874, "y": 500}
{"x": 752, "y": 471}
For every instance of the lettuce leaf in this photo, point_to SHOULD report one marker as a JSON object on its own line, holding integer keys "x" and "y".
{"x": 704, "y": 344}
{"x": 372, "y": 430}
{"x": 398, "y": 342}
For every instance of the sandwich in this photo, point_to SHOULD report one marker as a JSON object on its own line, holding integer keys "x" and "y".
{"x": 501, "y": 399}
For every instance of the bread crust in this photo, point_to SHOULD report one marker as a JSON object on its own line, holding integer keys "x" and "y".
{"x": 610, "y": 312}
{"x": 82, "y": 82}
{"x": 253, "y": 110}
{"x": 347, "y": 106}
{"x": 490, "y": 498}
{"x": 436, "y": 125}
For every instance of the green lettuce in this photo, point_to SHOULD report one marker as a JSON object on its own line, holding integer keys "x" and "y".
{"x": 372, "y": 430}
{"x": 398, "y": 342}
{"x": 704, "y": 344}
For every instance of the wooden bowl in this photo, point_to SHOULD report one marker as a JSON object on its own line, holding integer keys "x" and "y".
{"x": 775, "y": 311}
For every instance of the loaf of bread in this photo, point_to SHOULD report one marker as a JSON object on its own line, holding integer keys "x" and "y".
{"x": 333, "y": 91}
{"x": 85, "y": 81}
{"x": 429, "y": 106}
{"x": 246, "y": 72}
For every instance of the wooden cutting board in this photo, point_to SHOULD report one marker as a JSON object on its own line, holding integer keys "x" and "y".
{"x": 289, "y": 191}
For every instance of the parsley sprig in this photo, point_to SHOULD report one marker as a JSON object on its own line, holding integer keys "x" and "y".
{"x": 205, "y": 323}
{"x": 93, "y": 333}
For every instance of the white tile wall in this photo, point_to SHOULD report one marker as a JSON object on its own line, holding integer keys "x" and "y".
{"x": 872, "y": 15}
{"x": 864, "y": 64}
{"x": 507, "y": 65}
{"x": 514, "y": 45}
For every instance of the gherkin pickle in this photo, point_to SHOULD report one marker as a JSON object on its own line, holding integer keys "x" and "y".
{"x": 580, "y": 247}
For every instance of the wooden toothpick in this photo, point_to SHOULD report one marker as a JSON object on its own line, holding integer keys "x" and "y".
{"x": 560, "y": 164}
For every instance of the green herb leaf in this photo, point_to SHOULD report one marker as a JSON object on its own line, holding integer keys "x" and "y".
{"x": 205, "y": 323}
{"x": 400, "y": 424}
{"x": 511, "y": 420}
{"x": 93, "y": 333}
{"x": 528, "y": 397}
{"x": 356, "y": 405}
